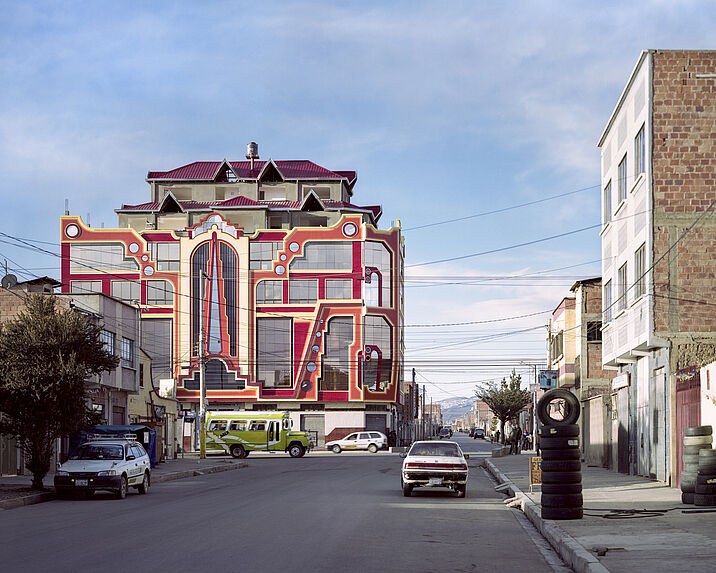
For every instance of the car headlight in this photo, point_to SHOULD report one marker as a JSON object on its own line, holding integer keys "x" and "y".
{"x": 62, "y": 473}
{"x": 107, "y": 473}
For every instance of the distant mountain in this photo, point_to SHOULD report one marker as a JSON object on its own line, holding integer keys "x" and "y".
{"x": 454, "y": 408}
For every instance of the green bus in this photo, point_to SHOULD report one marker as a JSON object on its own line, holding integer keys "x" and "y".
{"x": 238, "y": 433}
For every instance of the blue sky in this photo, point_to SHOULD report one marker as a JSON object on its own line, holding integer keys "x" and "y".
{"x": 444, "y": 109}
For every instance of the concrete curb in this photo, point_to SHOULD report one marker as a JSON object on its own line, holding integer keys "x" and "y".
{"x": 41, "y": 497}
{"x": 568, "y": 548}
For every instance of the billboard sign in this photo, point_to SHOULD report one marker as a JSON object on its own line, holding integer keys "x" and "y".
{"x": 548, "y": 379}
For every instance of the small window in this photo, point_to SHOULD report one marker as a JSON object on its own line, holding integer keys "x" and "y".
{"x": 623, "y": 179}
{"x": 269, "y": 292}
{"x": 608, "y": 301}
{"x": 608, "y": 203}
{"x": 639, "y": 270}
{"x": 339, "y": 289}
{"x": 257, "y": 426}
{"x": 127, "y": 352}
{"x": 375, "y": 435}
{"x": 364, "y": 436}
{"x": 160, "y": 293}
{"x": 322, "y": 193}
{"x": 622, "y": 286}
{"x": 108, "y": 341}
{"x": 594, "y": 331}
{"x": 237, "y": 426}
{"x": 639, "y": 153}
{"x": 217, "y": 426}
{"x": 352, "y": 437}
{"x": 167, "y": 255}
{"x": 126, "y": 291}
{"x": 261, "y": 254}
{"x": 302, "y": 290}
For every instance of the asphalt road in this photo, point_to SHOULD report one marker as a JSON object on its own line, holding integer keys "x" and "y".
{"x": 321, "y": 513}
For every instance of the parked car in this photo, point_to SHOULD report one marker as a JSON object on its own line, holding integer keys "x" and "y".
{"x": 371, "y": 441}
{"x": 434, "y": 464}
{"x": 479, "y": 433}
{"x": 105, "y": 462}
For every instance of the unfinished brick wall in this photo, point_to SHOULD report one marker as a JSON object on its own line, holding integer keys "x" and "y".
{"x": 684, "y": 186}
{"x": 593, "y": 298}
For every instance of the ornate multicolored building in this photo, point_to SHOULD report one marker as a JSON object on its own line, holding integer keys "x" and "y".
{"x": 297, "y": 293}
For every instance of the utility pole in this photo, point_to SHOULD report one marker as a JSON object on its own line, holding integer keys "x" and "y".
{"x": 424, "y": 421}
{"x": 202, "y": 383}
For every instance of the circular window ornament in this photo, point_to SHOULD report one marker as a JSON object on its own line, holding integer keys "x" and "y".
{"x": 350, "y": 229}
{"x": 294, "y": 247}
{"x": 315, "y": 348}
{"x": 72, "y": 231}
{"x": 318, "y": 335}
{"x": 306, "y": 385}
{"x": 280, "y": 269}
{"x": 145, "y": 258}
{"x": 149, "y": 271}
{"x": 133, "y": 248}
{"x": 283, "y": 257}
{"x": 311, "y": 366}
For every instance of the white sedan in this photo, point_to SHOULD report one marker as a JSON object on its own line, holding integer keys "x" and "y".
{"x": 434, "y": 464}
{"x": 371, "y": 441}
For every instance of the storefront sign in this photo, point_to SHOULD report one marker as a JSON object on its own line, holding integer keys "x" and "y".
{"x": 535, "y": 471}
{"x": 548, "y": 379}
{"x": 621, "y": 381}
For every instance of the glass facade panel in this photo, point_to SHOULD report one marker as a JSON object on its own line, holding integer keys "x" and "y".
{"x": 160, "y": 293}
{"x": 333, "y": 255}
{"x": 336, "y": 358}
{"x": 378, "y": 291}
{"x": 126, "y": 291}
{"x": 167, "y": 255}
{"x": 269, "y": 292}
{"x": 377, "y": 371}
{"x": 157, "y": 343}
{"x": 86, "y": 286}
{"x": 339, "y": 289}
{"x": 303, "y": 290}
{"x": 639, "y": 270}
{"x": 262, "y": 254}
{"x": 108, "y": 257}
{"x": 274, "y": 337}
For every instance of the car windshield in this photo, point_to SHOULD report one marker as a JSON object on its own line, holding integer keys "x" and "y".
{"x": 99, "y": 452}
{"x": 436, "y": 449}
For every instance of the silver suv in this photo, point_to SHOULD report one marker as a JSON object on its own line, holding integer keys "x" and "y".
{"x": 104, "y": 462}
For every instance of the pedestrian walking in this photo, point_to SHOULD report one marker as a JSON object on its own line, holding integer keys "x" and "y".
{"x": 515, "y": 437}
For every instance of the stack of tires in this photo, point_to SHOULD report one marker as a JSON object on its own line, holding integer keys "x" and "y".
{"x": 561, "y": 465}
{"x": 705, "y": 490}
{"x": 697, "y": 439}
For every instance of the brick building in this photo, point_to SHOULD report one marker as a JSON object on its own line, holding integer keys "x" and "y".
{"x": 658, "y": 160}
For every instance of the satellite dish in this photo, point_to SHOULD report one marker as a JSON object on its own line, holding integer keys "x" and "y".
{"x": 9, "y": 281}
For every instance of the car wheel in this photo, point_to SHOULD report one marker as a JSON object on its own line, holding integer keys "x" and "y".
{"x": 121, "y": 493}
{"x": 144, "y": 486}
{"x": 295, "y": 450}
{"x": 336, "y": 449}
{"x": 372, "y": 448}
{"x": 238, "y": 451}
{"x": 461, "y": 490}
{"x": 407, "y": 490}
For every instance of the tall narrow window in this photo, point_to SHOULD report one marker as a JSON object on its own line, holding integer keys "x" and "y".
{"x": 377, "y": 274}
{"x": 378, "y": 366}
{"x": 623, "y": 179}
{"x": 274, "y": 352}
{"x": 336, "y": 359}
{"x": 127, "y": 355}
{"x": 639, "y": 153}
{"x": 622, "y": 285}
{"x": 608, "y": 301}
{"x": 607, "y": 203}
{"x": 639, "y": 269}
{"x": 108, "y": 341}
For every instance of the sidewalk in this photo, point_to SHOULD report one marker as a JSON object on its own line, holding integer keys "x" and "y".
{"x": 606, "y": 541}
{"x": 15, "y": 490}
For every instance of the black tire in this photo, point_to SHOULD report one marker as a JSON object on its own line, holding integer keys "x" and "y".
{"x": 372, "y": 448}
{"x": 570, "y": 454}
{"x": 691, "y": 468}
{"x": 705, "y": 489}
{"x": 690, "y": 450}
{"x": 460, "y": 490}
{"x": 407, "y": 490}
{"x": 121, "y": 492}
{"x": 568, "y": 430}
{"x": 561, "y": 500}
{"x": 705, "y": 479}
{"x": 698, "y": 431}
{"x": 237, "y": 451}
{"x": 336, "y": 449}
{"x": 561, "y": 477}
{"x": 561, "y": 466}
{"x": 687, "y": 498}
{"x": 688, "y": 487}
{"x": 707, "y": 454}
{"x": 708, "y": 470}
{"x": 699, "y": 441}
{"x": 296, "y": 450}
{"x": 561, "y": 443}
{"x": 144, "y": 486}
{"x": 572, "y": 407}
{"x": 704, "y": 500}
{"x": 561, "y": 488}
{"x": 691, "y": 459}
{"x": 562, "y": 513}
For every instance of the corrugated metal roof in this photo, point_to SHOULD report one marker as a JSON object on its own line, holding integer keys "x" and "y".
{"x": 290, "y": 169}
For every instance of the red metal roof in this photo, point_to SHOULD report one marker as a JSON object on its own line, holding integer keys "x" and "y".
{"x": 290, "y": 169}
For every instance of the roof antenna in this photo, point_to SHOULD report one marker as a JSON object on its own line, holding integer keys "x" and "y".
{"x": 252, "y": 152}
{"x": 67, "y": 206}
{"x": 88, "y": 219}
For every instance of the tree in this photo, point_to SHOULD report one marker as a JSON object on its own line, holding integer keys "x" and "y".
{"x": 46, "y": 354}
{"x": 505, "y": 400}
